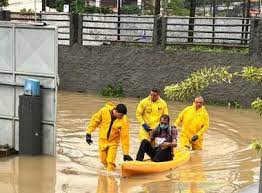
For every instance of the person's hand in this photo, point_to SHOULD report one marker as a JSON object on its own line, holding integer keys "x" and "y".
{"x": 128, "y": 158}
{"x": 194, "y": 138}
{"x": 164, "y": 145}
{"x": 88, "y": 139}
{"x": 146, "y": 127}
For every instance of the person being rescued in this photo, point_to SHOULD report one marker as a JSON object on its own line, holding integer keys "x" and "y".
{"x": 162, "y": 141}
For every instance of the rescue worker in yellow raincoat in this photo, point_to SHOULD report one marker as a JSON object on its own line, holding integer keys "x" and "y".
{"x": 195, "y": 121}
{"x": 148, "y": 113}
{"x": 113, "y": 127}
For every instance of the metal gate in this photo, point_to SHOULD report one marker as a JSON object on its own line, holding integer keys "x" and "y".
{"x": 27, "y": 51}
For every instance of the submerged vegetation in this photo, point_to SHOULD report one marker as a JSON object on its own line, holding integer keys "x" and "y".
{"x": 115, "y": 90}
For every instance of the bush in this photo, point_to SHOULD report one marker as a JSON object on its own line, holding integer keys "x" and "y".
{"x": 24, "y": 10}
{"x": 130, "y": 9}
{"x": 113, "y": 91}
{"x": 91, "y": 9}
{"x": 59, "y": 5}
{"x": 78, "y": 6}
{"x": 176, "y": 7}
{"x": 105, "y": 10}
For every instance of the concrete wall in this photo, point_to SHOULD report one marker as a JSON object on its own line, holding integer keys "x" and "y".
{"x": 83, "y": 68}
{"x": 255, "y": 46}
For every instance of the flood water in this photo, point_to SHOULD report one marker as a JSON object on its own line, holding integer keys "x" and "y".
{"x": 226, "y": 164}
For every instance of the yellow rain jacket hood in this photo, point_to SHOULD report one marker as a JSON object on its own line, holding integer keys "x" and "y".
{"x": 119, "y": 130}
{"x": 150, "y": 112}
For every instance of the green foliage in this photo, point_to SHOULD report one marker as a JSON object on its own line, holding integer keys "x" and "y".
{"x": 59, "y": 5}
{"x": 257, "y": 106}
{"x": 197, "y": 82}
{"x": 105, "y": 10}
{"x": 148, "y": 12}
{"x": 3, "y": 3}
{"x": 218, "y": 50}
{"x": 130, "y": 9}
{"x": 257, "y": 145}
{"x": 24, "y": 10}
{"x": 113, "y": 91}
{"x": 252, "y": 73}
{"x": 209, "y": 49}
{"x": 176, "y": 7}
{"x": 91, "y": 9}
{"x": 78, "y": 6}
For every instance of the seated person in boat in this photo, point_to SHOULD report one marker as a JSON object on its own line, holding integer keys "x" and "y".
{"x": 162, "y": 141}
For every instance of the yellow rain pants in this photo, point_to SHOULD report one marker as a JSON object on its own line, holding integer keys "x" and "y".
{"x": 150, "y": 112}
{"x": 194, "y": 122}
{"x": 109, "y": 140}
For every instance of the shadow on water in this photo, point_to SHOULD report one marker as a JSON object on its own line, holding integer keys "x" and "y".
{"x": 225, "y": 165}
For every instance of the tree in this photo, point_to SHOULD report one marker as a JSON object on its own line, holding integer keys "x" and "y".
{"x": 3, "y": 3}
{"x": 203, "y": 78}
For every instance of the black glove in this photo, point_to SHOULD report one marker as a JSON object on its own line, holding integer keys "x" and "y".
{"x": 88, "y": 139}
{"x": 194, "y": 138}
{"x": 146, "y": 127}
{"x": 127, "y": 158}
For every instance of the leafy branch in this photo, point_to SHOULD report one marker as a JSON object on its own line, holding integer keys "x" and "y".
{"x": 257, "y": 145}
{"x": 253, "y": 74}
{"x": 197, "y": 82}
{"x": 202, "y": 78}
{"x": 257, "y": 106}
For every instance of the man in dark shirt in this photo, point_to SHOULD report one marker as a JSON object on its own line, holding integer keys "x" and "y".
{"x": 161, "y": 144}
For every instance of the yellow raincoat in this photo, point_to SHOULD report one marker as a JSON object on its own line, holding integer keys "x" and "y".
{"x": 108, "y": 145}
{"x": 194, "y": 122}
{"x": 150, "y": 112}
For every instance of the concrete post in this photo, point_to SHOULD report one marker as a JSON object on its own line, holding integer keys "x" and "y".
{"x": 80, "y": 30}
{"x": 73, "y": 28}
{"x": 5, "y": 15}
{"x": 164, "y": 33}
{"x": 255, "y": 43}
{"x": 157, "y": 32}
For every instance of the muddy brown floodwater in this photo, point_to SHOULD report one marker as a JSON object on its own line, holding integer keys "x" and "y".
{"x": 225, "y": 165}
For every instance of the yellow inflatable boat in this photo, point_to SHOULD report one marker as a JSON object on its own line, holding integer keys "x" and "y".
{"x": 147, "y": 167}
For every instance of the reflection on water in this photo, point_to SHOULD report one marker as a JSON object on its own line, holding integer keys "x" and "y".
{"x": 28, "y": 174}
{"x": 226, "y": 163}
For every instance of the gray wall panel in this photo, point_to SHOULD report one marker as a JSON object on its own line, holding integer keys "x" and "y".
{"x": 6, "y": 49}
{"x": 6, "y": 102}
{"x": 6, "y": 132}
{"x": 35, "y": 51}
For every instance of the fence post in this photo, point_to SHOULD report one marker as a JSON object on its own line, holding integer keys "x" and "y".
{"x": 5, "y": 15}
{"x": 255, "y": 37}
{"x": 80, "y": 30}
{"x": 73, "y": 28}
{"x": 157, "y": 32}
{"x": 164, "y": 33}
{"x": 191, "y": 23}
